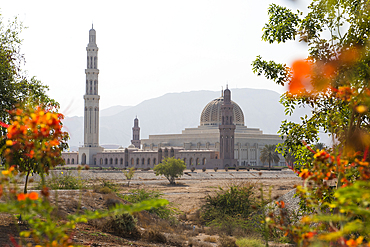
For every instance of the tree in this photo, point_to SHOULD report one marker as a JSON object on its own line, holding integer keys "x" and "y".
{"x": 171, "y": 168}
{"x": 129, "y": 175}
{"x": 17, "y": 91}
{"x": 269, "y": 155}
{"x": 333, "y": 81}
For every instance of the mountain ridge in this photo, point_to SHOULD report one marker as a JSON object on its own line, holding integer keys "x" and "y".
{"x": 173, "y": 112}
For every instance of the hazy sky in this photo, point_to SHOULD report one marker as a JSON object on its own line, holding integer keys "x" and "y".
{"x": 147, "y": 48}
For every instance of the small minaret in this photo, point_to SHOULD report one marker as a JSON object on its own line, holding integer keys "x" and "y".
{"x": 227, "y": 130}
{"x": 91, "y": 109}
{"x": 136, "y": 134}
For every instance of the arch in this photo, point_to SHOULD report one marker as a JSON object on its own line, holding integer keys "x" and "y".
{"x": 83, "y": 160}
{"x": 101, "y": 161}
{"x": 132, "y": 161}
{"x": 191, "y": 161}
{"x": 111, "y": 161}
{"x": 185, "y": 161}
{"x": 68, "y": 161}
{"x": 137, "y": 161}
{"x": 197, "y": 162}
{"x": 73, "y": 161}
{"x": 106, "y": 161}
{"x": 154, "y": 161}
{"x": 142, "y": 161}
{"x": 148, "y": 161}
{"x": 204, "y": 161}
{"x": 121, "y": 161}
{"x": 116, "y": 161}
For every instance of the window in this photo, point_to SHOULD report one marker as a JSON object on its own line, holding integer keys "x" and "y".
{"x": 121, "y": 161}
{"x": 204, "y": 161}
{"x": 132, "y": 161}
{"x": 116, "y": 161}
{"x": 73, "y": 160}
{"x": 137, "y": 161}
{"x": 154, "y": 161}
{"x": 148, "y": 161}
{"x": 111, "y": 161}
{"x": 106, "y": 161}
{"x": 68, "y": 161}
{"x": 142, "y": 161}
{"x": 101, "y": 161}
{"x": 197, "y": 162}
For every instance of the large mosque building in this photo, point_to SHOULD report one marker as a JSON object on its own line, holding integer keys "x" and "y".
{"x": 221, "y": 140}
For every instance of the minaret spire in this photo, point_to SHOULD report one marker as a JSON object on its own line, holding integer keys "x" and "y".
{"x": 91, "y": 98}
{"x": 136, "y": 134}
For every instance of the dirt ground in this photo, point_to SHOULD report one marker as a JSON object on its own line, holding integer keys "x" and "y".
{"x": 187, "y": 196}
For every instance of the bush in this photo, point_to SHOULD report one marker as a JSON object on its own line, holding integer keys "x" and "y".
{"x": 231, "y": 210}
{"x": 226, "y": 241}
{"x": 215, "y": 169}
{"x": 203, "y": 169}
{"x": 192, "y": 169}
{"x": 138, "y": 195}
{"x": 64, "y": 181}
{"x": 249, "y": 242}
{"x": 105, "y": 187}
{"x": 123, "y": 225}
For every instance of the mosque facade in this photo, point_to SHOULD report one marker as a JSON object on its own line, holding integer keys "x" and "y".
{"x": 221, "y": 140}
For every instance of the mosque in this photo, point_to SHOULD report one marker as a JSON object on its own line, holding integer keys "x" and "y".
{"x": 221, "y": 140}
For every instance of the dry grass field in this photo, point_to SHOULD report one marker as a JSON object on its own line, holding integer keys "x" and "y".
{"x": 187, "y": 197}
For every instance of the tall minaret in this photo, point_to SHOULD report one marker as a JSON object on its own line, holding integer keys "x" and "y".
{"x": 91, "y": 97}
{"x": 136, "y": 134}
{"x": 227, "y": 130}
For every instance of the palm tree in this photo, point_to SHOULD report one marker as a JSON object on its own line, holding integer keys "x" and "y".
{"x": 269, "y": 155}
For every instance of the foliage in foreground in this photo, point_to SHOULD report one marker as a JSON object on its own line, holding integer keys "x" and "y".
{"x": 333, "y": 81}
{"x": 36, "y": 209}
{"x": 171, "y": 168}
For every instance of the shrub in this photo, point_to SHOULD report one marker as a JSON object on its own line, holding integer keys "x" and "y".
{"x": 226, "y": 169}
{"x": 192, "y": 169}
{"x": 249, "y": 242}
{"x": 226, "y": 241}
{"x": 64, "y": 181}
{"x": 123, "y": 225}
{"x": 203, "y": 169}
{"x": 105, "y": 186}
{"x": 230, "y": 210}
{"x": 139, "y": 195}
{"x": 215, "y": 169}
